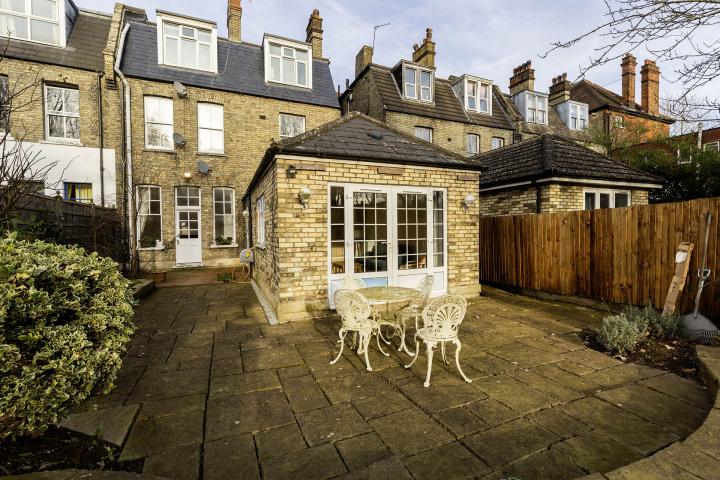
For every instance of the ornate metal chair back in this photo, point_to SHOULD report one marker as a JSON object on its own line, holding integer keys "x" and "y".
{"x": 443, "y": 315}
{"x": 424, "y": 289}
{"x": 352, "y": 283}
{"x": 353, "y": 309}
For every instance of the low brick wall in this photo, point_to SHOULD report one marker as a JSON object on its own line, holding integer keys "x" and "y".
{"x": 698, "y": 456}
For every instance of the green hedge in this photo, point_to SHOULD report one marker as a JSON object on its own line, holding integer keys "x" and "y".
{"x": 65, "y": 318}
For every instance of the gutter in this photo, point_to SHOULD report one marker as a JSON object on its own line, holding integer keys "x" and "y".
{"x": 127, "y": 143}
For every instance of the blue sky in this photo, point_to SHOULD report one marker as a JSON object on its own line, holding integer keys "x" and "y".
{"x": 484, "y": 37}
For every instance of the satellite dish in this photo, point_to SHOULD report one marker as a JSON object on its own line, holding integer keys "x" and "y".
{"x": 180, "y": 89}
{"x": 179, "y": 140}
{"x": 203, "y": 167}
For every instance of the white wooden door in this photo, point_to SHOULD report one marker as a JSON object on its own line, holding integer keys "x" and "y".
{"x": 188, "y": 233}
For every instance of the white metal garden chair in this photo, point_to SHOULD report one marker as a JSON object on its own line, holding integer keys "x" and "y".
{"x": 356, "y": 316}
{"x": 413, "y": 311}
{"x": 441, "y": 320}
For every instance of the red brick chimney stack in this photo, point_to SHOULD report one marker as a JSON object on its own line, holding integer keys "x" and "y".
{"x": 650, "y": 87}
{"x": 628, "y": 79}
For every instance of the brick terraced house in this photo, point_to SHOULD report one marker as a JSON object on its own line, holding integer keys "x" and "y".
{"x": 201, "y": 111}
{"x": 60, "y": 112}
{"x": 465, "y": 115}
{"x": 549, "y": 173}
{"x": 357, "y": 197}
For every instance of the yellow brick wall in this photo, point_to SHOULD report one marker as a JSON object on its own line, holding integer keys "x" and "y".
{"x": 250, "y": 124}
{"x": 302, "y": 253}
{"x": 508, "y": 202}
{"x": 447, "y": 134}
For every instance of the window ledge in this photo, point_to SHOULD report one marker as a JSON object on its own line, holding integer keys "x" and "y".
{"x": 157, "y": 150}
{"x": 52, "y": 141}
{"x": 152, "y": 249}
{"x": 232, "y": 245}
{"x": 212, "y": 154}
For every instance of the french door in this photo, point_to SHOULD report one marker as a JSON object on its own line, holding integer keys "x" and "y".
{"x": 188, "y": 243}
{"x": 387, "y": 235}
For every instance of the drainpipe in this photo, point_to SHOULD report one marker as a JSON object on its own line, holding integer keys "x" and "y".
{"x": 128, "y": 189}
{"x": 102, "y": 140}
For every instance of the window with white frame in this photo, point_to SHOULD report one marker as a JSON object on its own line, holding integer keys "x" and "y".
{"x": 187, "y": 43}
{"x": 288, "y": 62}
{"x": 478, "y": 96}
{"x": 578, "y": 116}
{"x": 714, "y": 146}
{"x": 34, "y": 20}
{"x": 497, "y": 142}
{"x": 618, "y": 121}
{"x": 260, "y": 210}
{"x": 291, "y": 125}
{"x": 473, "y": 143}
{"x": 211, "y": 134}
{"x": 424, "y": 133}
{"x": 224, "y": 213}
{"x": 159, "y": 123}
{"x": 149, "y": 216}
{"x": 62, "y": 113}
{"x": 78, "y": 192}
{"x": 606, "y": 198}
{"x": 417, "y": 84}
{"x": 536, "y": 108}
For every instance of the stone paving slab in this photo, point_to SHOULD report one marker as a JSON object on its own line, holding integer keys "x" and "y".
{"x": 250, "y": 400}
{"x": 110, "y": 424}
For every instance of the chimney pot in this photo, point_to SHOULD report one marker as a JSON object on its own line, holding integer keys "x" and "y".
{"x": 315, "y": 33}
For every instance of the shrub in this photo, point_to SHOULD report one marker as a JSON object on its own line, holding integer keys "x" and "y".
{"x": 666, "y": 325}
{"x": 65, "y": 318}
{"x": 620, "y": 333}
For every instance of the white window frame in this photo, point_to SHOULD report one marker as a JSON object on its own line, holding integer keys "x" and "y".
{"x": 280, "y": 123}
{"x": 232, "y": 212}
{"x": 60, "y": 21}
{"x": 618, "y": 121}
{"x": 427, "y": 129}
{"x": 164, "y": 17}
{"x": 468, "y": 136}
{"x": 290, "y": 44}
{"x": 712, "y": 146}
{"x": 500, "y": 139}
{"x": 577, "y": 115}
{"x": 414, "y": 91}
{"x": 610, "y": 191}
{"x": 63, "y": 114}
{"x": 478, "y": 82}
{"x": 536, "y": 96}
{"x": 212, "y": 128}
{"x": 260, "y": 214}
{"x": 160, "y": 245}
{"x": 145, "y": 119}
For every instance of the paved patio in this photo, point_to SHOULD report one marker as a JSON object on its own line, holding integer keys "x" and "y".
{"x": 213, "y": 392}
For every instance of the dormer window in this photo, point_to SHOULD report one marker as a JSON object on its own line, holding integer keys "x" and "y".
{"x": 288, "y": 62}
{"x": 578, "y": 116}
{"x": 477, "y": 96}
{"x": 536, "y": 108}
{"x": 33, "y": 20}
{"x": 187, "y": 43}
{"x": 417, "y": 84}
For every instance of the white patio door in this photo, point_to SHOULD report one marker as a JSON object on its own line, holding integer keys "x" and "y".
{"x": 188, "y": 243}
{"x": 386, "y": 235}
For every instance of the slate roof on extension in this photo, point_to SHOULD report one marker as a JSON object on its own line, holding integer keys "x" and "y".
{"x": 553, "y": 156}
{"x": 240, "y": 65}
{"x": 84, "y": 48}
{"x": 446, "y": 105}
{"x": 357, "y": 137}
{"x": 598, "y": 97}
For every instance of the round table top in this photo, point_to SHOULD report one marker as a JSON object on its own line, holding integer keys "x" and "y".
{"x": 387, "y": 294}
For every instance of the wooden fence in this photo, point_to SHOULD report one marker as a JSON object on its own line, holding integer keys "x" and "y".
{"x": 94, "y": 228}
{"x": 622, "y": 255}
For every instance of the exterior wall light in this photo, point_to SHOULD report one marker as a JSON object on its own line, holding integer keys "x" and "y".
{"x": 187, "y": 175}
{"x": 304, "y": 197}
{"x": 291, "y": 171}
{"x": 469, "y": 201}
{"x": 246, "y": 214}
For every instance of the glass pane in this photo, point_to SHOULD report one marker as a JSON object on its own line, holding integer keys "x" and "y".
{"x": 604, "y": 200}
{"x": 72, "y": 127}
{"x": 56, "y": 126}
{"x": 149, "y": 231}
{"x": 187, "y": 31}
{"x": 216, "y": 116}
{"x": 204, "y": 58}
{"x": 171, "y": 51}
{"x": 589, "y": 201}
{"x": 45, "y": 9}
{"x": 275, "y": 69}
{"x": 410, "y": 76}
{"x": 204, "y": 115}
{"x": 425, "y": 79}
{"x": 288, "y": 70}
{"x": 301, "y": 73}
{"x": 187, "y": 53}
{"x": 166, "y": 110}
{"x": 204, "y": 140}
{"x": 337, "y": 196}
{"x": 218, "y": 141}
{"x": 13, "y": 26}
{"x": 72, "y": 100}
{"x": 471, "y": 103}
{"x": 301, "y": 55}
{"x": 621, "y": 200}
{"x": 203, "y": 36}
{"x": 13, "y": 5}
{"x": 159, "y": 136}
{"x": 171, "y": 29}
{"x": 483, "y": 105}
{"x": 274, "y": 49}
{"x": 44, "y": 31}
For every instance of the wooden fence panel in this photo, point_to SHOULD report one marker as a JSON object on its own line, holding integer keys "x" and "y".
{"x": 623, "y": 255}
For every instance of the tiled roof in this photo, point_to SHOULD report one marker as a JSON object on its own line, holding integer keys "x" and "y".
{"x": 84, "y": 48}
{"x": 554, "y": 156}
{"x": 241, "y": 70}
{"x": 598, "y": 97}
{"x": 446, "y": 105}
{"x": 554, "y": 126}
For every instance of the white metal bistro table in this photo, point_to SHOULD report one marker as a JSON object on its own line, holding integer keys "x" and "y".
{"x": 386, "y": 301}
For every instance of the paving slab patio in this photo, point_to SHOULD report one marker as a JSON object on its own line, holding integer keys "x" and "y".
{"x": 210, "y": 391}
